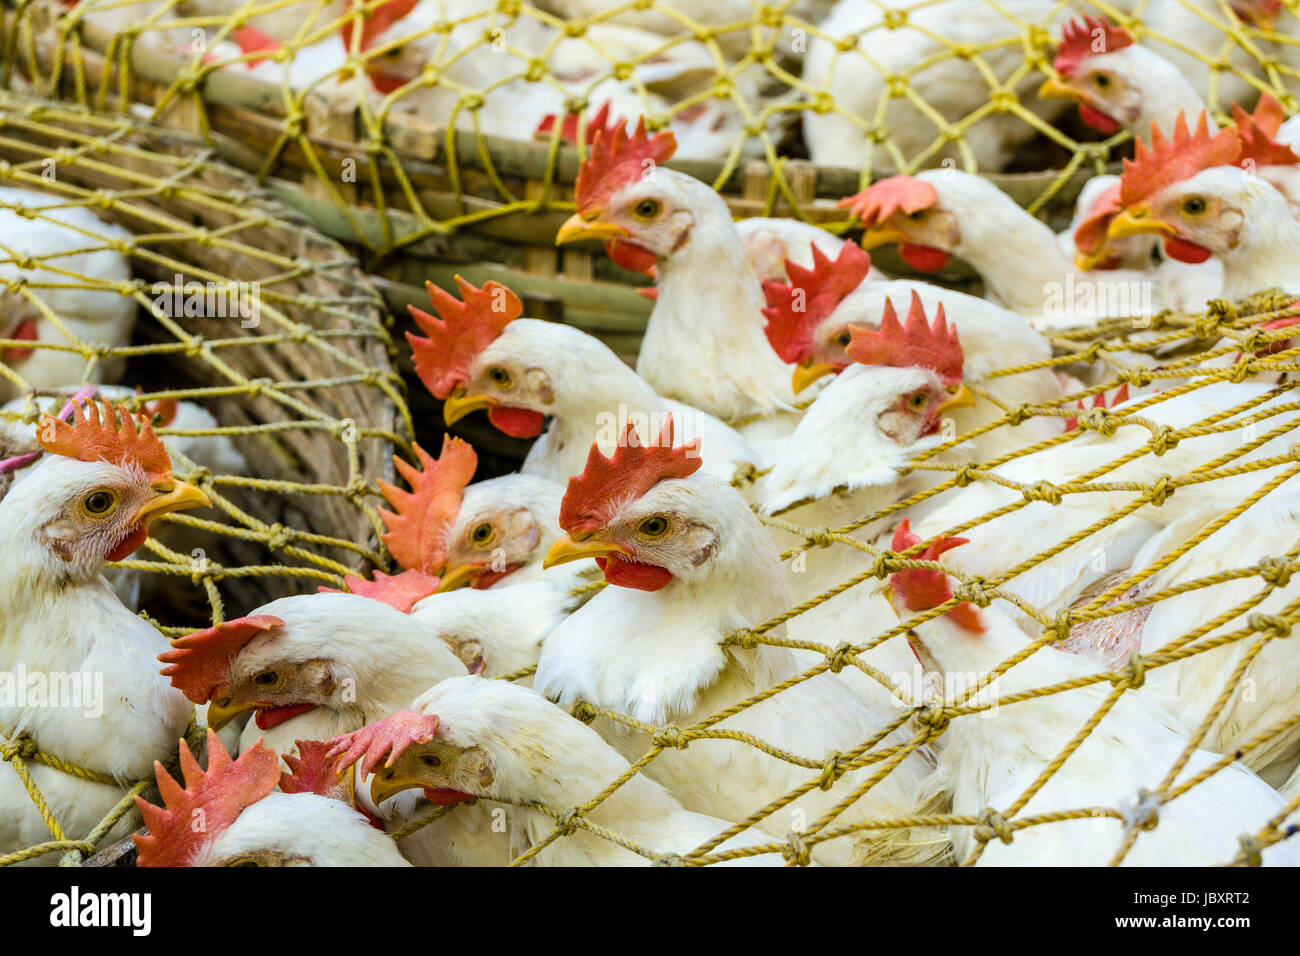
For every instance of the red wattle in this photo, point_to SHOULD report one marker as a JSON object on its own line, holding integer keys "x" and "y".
{"x": 445, "y": 797}
{"x": 485, "y": 578}
{"x": 385, "y": 82}
{"x": 27, "y": 331}
{"x": 268, "y": 717}
{"x": 651, "y": 292}
{"x": 516, "y": 422}
{"x": 922, "y": 258}
{"x": 129, "y": 544}
{"x": 632, "y": 574}
{"x": 1097, "y": 119}
{"x": 1185, "y": 251}
{"x": 632, "y": 257}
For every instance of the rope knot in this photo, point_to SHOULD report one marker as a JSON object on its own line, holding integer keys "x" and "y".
{"x": 835, "y": 767}
{"x": 965, "y": 475}
{"x": 742, "y": 637}
{"x": 568, "y": 821}
{"x": 1251, "y": 850}
{"x": 745, "y": 473}
{"x": 1137, "y": 376}
{"x": 278, "y": 536}
{"x": 973, "y": 591}
{"x": 993, "y": 824}
{"x": 1019, "y": 414}
{"x": 670, "y": 736}
{"x": 669, "y": 859}
{"x": 1043, "y": 490}
{"x": 1060, "y": 627}
{"x": 20, "y": 746}
{"x": 1161, "y": 489}
{"x": 1146, "y": 812}
{"x": 1098, "y": 420}
{"x": 1163, "y": 441}
{"x": 883, "y": 566}
{"x": 934, "y": 716}
{"x": 583, "y": 711}
{"x": 841, "y": 657}
{"x": 1133, "y": 674}
{"x": 1276, "y": 571}
{"x": 797, "y": 850}
{"x": 818, "y": 538}
{"x": 1269, "y": 624}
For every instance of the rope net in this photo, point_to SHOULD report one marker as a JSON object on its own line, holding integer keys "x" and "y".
{"x": 398, "y": 162}
{"x": 263, "y": 347}
{"x": 1224, "y": 344}
{"x": 399, "y": 128}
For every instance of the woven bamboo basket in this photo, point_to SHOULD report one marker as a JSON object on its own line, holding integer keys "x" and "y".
{"x": 420, "y": 198}
{"x": 307, "y": 392}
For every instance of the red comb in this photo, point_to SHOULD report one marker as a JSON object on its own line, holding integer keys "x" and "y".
{"x": 255, "y": 41}
{"x": 1085, "y": 37}
{"x": 794, "y": 311}
{"x": 597, "y": 125}
{"x": 399, "y": 591}
{"x": 209, "y": 802}
{"x": 1165, "y": 163}
{"x": 115, "y": 437}
{"x": 465, "y": 329}
{"x": 199, "y": 662}
{"x": 920, "y": 589}
{"x": 376, "y": 21}
{"x": 1099, "y": 401}
{"x": 605, "y": 484}
{"x": 1091, "y": 233}
{"x": 617, "y": 160}
{"x": 384, "y": 740}
{"x": 1257, "y": 133}
{"x": 417, "y": 533}
{"x": 163, "y": 409}
{"x": 912, "y": 345}
{"x": 882, "y": 199}
{"x": 314, "y": 771}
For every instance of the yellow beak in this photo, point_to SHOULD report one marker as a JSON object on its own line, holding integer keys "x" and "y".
{"x": 588, "y": 226}
{"x": 1054, "y": 89}
{"x": 566, "y": 550}
{"x": 881, "y": 235}
{"x": 1135, "y": 222}
{"x": 805, "y": 375}
{"x": 456, "y": 577}
{"x": 172, "y": 496}
{"x": 223, "y": 711}
{"x": 385, "y": 783}
{"x": 962, "y": 398}
{"x": 1087, "y": 261}
{"x": 459, "y": 404}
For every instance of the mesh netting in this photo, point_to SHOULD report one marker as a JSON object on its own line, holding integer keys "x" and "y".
{"x": 243, "y": 310}
{"x": 1225, "y": 344}
{"x": 777, "y": 105}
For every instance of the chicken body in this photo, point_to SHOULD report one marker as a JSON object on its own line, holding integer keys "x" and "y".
{"x": 72, "y": 240}
{"x": 656, "y": 656}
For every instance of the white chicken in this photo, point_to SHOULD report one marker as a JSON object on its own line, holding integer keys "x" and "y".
{"x": 91, "y": 500}
{"x": 480, "y": 354}
{"x": 247, "y": 823}
{"x": 58, "y": 269}
{"x": 992, "y": 758}
{"x": 473, "y": 737}
{"x": 691, "y": 564}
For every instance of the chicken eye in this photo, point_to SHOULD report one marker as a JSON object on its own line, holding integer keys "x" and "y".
{"x": 100, "y": 503}
{"x": 1102, "y": 81}
{"x": 844, "y": 339}
{"x": 430, "y": 761}
{"x": 654, "y": 527}
{"x": 917, "y": 401}
{"x": 918, "y": 215}
{"x": 1194, "y": 206}
{"x": 267, "y": 679}
{"x": 244, "y": 862}
{"x": 482, "y": 533}
{"x": 499, "y": 376}
{"x": 647, "y": 209}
